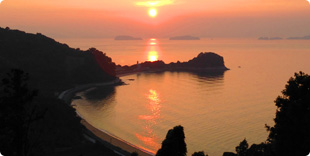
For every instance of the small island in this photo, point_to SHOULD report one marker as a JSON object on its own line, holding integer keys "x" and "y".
{"x": 187, "y": 37}
{"x": 270, "y": 38}
{"x": 204, "y": 62}
{"x": 299, "y": 38}
{"x": 124, "y": 37}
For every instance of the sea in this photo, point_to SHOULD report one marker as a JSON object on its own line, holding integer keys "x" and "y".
{"x": 217, "y": 110}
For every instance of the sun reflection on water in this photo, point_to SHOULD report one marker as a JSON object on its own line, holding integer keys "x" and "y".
{"x": 152, "y": 50}
{"x": 153, "y": 56}
{"x": 148, "y": 137}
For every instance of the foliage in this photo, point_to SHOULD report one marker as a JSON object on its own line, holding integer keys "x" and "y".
{"x": 242, "y": 148}
{"x": 262, "y": 149}
{"x": 17, "y": 113}
{"x": 200, "y": 153}
{"x": 229, "y": 154}
{"x": 34, "y": 124}
{"x": 53, "y": 66}
{"x": 291, "y": 133}
{"x": 174, "y": 144}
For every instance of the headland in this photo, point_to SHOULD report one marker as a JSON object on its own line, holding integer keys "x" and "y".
{"x": 207, "y": 62}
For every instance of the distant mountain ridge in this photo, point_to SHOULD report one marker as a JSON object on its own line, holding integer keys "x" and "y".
{"x": 186, "y": 37}
{"x": 125, "y": 37}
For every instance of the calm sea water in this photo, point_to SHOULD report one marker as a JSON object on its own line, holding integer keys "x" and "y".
{"x": 217, "y": 111}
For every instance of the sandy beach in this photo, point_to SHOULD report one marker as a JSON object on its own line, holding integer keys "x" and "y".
{"x": 115, "y": 141}
{"x": 118, "y": 145}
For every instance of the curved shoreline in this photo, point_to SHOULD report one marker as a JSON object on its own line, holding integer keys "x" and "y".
{"x": 118, "y": 145}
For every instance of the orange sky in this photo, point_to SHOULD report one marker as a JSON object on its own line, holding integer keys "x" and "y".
{"x": 205, "y": 18}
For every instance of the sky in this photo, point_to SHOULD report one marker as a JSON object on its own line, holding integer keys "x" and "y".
{"x": 203, "y": 18}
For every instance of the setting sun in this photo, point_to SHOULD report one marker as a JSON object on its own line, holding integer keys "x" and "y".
{"x": 152, "y": 56}
{"x": 153, "y": 12}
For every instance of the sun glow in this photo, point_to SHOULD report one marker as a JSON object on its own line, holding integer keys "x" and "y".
{"x": 153, "y": 56}
{"x": 153, "y": 12}
{"x": 1, "y": 1}
{"x": 152, "y": 51}
{"x": 155, "y": 3}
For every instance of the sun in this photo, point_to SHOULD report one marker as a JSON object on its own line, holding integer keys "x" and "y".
{"x": 152, "y": 12}
{"x": 1, "y": 1}
{"x": 152, "y": 56}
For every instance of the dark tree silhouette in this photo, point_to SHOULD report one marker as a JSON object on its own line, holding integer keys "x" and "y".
{"x": 16, "y": 113}
{"x": 174, "y": 144}
{"x": 134, "y": 154}
{"x": 242, "y": 148}
{"x": 262, "y": 149}
{"x": 200, "y": 153}
{"x": 291, "y": 133}
{"x": 229, "y": 154}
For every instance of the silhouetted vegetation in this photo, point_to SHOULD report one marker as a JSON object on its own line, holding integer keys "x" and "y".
{"x": 242, "y": 148}
{"x": 200, "y": 153}
{"x": 290, "y": 136}
{"x": 53, "y": 66}
{"x": 37, "y": 123}
{"x": 174, "y": 144}
{"x": 291, "y": 133}
{"x": 229, "y": 154}
{"x": 263, "y": 149}
{"x": 16, "y": 114}
{"x": 134, "y": 154}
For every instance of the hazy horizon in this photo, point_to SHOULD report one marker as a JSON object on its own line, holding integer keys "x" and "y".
{"x": 224, "y": 19}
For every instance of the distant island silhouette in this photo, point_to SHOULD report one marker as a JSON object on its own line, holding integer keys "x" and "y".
{"x": 186, "y": 37}
{"x": 125, "y": 37}
{"x": 204, "y": 62}
{"x": 270, "y": 38}
{"x": 299, "y": 38}
{"x": 289, "y": 38}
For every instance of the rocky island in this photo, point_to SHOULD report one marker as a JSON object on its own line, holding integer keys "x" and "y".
{"x": 204, "y": 62}
{"x": 127, "y": 38}
{"x": 187, "y": 37}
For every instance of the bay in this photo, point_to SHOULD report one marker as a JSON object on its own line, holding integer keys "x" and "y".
{"x": 217, "y": 110}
